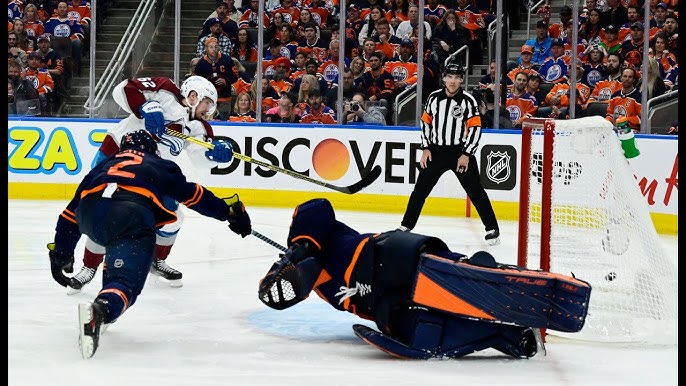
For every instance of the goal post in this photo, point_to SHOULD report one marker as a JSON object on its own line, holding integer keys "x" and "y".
{"x": 582, "y": 214}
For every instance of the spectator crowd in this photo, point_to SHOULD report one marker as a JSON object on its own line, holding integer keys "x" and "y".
{"x": 302, "y": 43}
{"x": 45, "y": 50}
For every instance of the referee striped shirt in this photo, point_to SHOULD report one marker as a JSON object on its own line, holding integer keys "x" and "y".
{"x": 451, "y": 121}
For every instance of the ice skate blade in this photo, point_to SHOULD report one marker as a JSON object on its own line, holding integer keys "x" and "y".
{"x": 172, "y": 283}
{"x": 86, "y": 343}
{"x": 73, "y": 291}
{"x": 494, "y": 241}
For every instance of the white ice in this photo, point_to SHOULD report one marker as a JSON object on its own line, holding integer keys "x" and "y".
{"x": 214, "y": 330}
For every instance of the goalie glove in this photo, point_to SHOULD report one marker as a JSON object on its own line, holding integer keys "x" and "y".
{"x": 152, "y": 114}
{"x": 60, "y": 263}
{"x": 239, "y": 220}
{"x": 222, "y": 151}
{"x": 288, "y": 283}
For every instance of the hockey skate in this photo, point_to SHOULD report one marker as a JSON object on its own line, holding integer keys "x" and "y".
{"x": 493, "y": 237}
{"x": 91, "y": 318}
{"x": 160, "y": 268}
{"x": 532, "y": 341}
{"x": 79, "y": 280}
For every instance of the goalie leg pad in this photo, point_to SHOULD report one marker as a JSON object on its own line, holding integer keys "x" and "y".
{"x": 511, "y": 295}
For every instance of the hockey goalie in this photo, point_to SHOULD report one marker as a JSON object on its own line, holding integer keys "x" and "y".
{"x": 426, "y": 301}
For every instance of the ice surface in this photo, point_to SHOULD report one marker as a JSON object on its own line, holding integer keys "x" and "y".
{"x": 214, "y": 330}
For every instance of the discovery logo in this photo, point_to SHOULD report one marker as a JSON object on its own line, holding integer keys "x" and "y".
{"x": 498, "y": 167}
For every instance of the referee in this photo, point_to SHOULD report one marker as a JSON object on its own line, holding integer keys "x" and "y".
{"x": 451, "y": 129}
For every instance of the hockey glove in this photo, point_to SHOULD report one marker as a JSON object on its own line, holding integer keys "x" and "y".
{"x": 151, "y": 112}
{"x": 239, "y": 220}
{"x": 222, "y": 152}
{"x": 60, "y": 262}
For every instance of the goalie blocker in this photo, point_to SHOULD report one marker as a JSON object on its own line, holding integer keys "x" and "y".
{"x": 426, "y": 300}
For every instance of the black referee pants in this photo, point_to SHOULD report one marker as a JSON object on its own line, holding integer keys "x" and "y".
{"x": 443, "y": 160}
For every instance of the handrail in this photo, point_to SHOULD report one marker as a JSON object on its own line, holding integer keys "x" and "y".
{"x": 658, "y": 98}
{"x": 466, "y": 63}
{"x": 653, "y": 101}
{"x": 404, "y": 96}
{"x": 110, "y": 76}
{"x": 490, "y": 30}
{"x": 528, "y": 16}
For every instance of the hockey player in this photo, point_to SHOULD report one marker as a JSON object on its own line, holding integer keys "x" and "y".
{"x": 119, "y": 205}
{"x": 427, "y": 301}
{"x": 156, "y": 103}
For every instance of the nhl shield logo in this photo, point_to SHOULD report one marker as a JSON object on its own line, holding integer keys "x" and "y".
{"x": 498, "y": 166}
{"x": 456, "y": 111}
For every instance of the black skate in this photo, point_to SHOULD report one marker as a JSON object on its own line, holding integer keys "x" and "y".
{"x": 531, "y": 341}
{"x": 493, "y": 237}
{"x": 160, "y": 268}
{"x": 79, "y": 280}
{"x": 91, "y": 318}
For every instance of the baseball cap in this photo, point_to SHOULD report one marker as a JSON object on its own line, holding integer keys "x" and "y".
{"x": 610, "y": 28}
{"x": 213, "y": 21}
{"x": 661, "y": 5}
{"x": 541, "y": 24}
{"x": 527, "y": 48}
{"x": 672, "y": 15}
{"x": 353, "y": 7}
{"x": 637, "y": 25}
{"x": 44, "y": 37}
{"x": 557, "y": 42}
{"x": 406, "y": 42}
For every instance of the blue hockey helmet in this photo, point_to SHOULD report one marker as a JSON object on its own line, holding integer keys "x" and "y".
{"x": 139, "y": 140}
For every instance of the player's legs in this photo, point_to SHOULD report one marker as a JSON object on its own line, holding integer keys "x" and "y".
{"x": 128, "y": 232}
{"x": 164, "y": 241}
{"x": 93, "y": 255}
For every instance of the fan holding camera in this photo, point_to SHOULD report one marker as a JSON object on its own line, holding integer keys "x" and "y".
{"x": 357, "y": 111}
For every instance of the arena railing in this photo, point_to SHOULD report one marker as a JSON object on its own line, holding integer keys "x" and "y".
{"x": 115, "y": 68}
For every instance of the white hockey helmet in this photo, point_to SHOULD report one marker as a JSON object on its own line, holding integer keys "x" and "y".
{"x": 204, "y": 89}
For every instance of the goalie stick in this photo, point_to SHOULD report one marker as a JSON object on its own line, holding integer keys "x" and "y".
{"x": 268, "y": 240}
{"x": 351, "y": 189}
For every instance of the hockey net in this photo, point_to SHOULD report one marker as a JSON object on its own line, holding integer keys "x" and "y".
{"x": 582, "y": 213}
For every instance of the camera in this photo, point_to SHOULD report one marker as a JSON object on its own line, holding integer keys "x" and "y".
{"x": 354, "y": 106}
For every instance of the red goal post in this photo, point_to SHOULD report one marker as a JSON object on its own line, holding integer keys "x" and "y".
{"x": 582, "y": 213}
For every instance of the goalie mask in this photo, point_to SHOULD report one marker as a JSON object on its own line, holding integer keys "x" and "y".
{"x": 204, "y": 90}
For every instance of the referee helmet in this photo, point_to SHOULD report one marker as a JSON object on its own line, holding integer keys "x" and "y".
{"x": 453, "y": 69}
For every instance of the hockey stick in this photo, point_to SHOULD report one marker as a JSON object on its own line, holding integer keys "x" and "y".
{"x": 268, "y": 240}
{"x": 351, "y": 189}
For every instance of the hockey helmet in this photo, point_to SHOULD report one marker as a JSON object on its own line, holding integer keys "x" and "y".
{"x": 453, "y": 68}
{"x": 203, "y": 88}
{"x": 139, "y": 140}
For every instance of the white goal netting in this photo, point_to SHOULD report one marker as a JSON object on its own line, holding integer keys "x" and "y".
{"x": 601, "y": 232}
